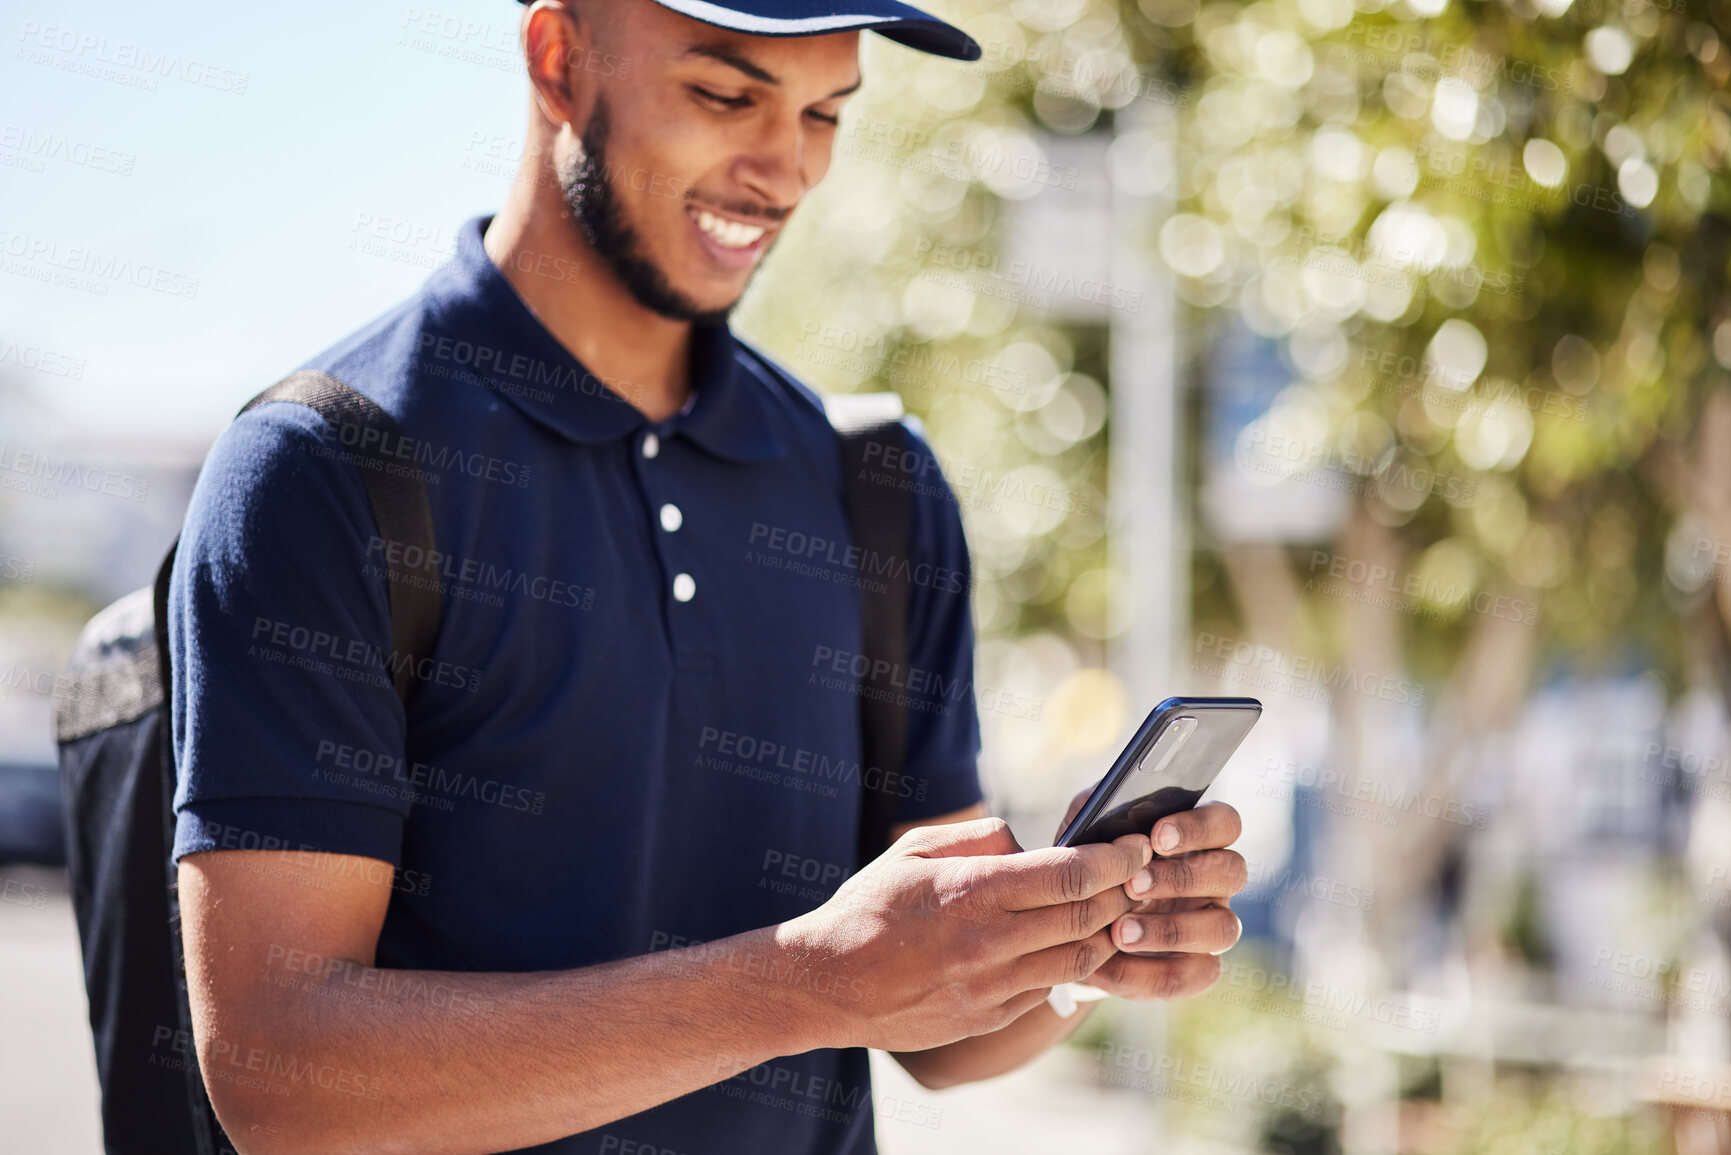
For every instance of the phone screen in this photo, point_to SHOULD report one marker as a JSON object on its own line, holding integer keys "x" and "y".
{"x": 1174, "y": 757}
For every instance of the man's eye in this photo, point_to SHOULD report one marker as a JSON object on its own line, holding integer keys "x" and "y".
{"x": 824, "y": 117}
{"x": 719, "y": 100}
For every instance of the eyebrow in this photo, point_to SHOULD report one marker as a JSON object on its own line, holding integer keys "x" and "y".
{"x": 727, "y": 56}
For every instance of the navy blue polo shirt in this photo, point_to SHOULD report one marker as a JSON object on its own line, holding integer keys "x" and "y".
{"x": 641, "y": 729}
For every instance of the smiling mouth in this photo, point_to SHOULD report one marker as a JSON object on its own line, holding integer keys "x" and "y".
{"x": 728, "y": 234}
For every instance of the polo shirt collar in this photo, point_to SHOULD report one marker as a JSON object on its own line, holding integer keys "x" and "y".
{"x": 728, "y": 416}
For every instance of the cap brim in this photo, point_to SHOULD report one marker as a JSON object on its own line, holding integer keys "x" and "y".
{"x": 902, "y": 23}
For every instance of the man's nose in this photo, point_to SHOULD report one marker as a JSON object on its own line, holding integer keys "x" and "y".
{"x": 775, "y": 167}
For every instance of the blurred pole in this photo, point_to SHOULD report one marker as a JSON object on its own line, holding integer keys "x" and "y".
{"x": 1150, "y": 541}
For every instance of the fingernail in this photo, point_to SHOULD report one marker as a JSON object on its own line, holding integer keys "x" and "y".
{"x": 1166, "y": 839}
{"x": 1129, "y": 931}
{"x": 1141, "y": 883}
{"x": 1235, "y": 939}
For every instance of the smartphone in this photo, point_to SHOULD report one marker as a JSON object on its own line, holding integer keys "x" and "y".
{"x": 1173, "y": 758}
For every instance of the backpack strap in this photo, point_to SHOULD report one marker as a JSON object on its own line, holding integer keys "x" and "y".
{"x": 880, "y": 518}
{"x": 400, "y": 507}
{"x": 880, "y": 522}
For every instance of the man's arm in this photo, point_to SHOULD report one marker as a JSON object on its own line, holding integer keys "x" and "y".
{"x": 1180, "y": 901}
{"x": 305, "y": 1045}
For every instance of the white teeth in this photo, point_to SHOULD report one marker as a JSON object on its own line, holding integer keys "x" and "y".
{"x": 728, "y": 234}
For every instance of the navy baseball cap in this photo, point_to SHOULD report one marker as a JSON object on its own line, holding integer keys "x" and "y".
{"x": 902, "y": 23}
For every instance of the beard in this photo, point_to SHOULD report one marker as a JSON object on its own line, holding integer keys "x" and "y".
{"x": 594, "y": 202}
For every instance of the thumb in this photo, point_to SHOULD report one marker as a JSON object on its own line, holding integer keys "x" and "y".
{"x": 978, "y": 836}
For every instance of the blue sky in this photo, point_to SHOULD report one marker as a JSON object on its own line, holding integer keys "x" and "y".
{"x": 251, "y": 147}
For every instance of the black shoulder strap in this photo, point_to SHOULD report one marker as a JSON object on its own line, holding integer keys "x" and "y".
{"x": 880, "y": 521}
{"x": 400, "y": 507}
{"x": 399, "y": 499}
{"x": 880, "y": 518}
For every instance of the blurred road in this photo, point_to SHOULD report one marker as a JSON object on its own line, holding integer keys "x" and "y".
{"x": 1051, "y": 1105}
{"x": 48, "y": 1095}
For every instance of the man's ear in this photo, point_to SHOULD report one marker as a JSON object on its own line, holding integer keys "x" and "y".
{"x": 553, "y": 35}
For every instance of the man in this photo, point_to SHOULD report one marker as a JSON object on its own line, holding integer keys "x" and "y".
{"x": 549, "y": 902}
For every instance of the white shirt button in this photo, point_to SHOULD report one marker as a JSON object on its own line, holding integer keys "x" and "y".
{"x": 651, "y": 445}
{"x": 684, "y": 587}
{"x": 671, "y": 518}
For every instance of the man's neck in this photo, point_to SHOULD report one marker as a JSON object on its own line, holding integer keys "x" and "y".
{"x": 637, "y": 353}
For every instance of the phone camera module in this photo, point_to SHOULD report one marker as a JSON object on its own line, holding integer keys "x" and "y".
{"x": 1166, "y": 747}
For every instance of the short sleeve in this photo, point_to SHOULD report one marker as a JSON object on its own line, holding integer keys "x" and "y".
{"x": 943, "y": 721}
{"x": 285, "y": 721}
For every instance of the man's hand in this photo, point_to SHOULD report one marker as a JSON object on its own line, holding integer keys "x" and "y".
{"x": 957, "y": 932}
{"x": 1179, "y": 923}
